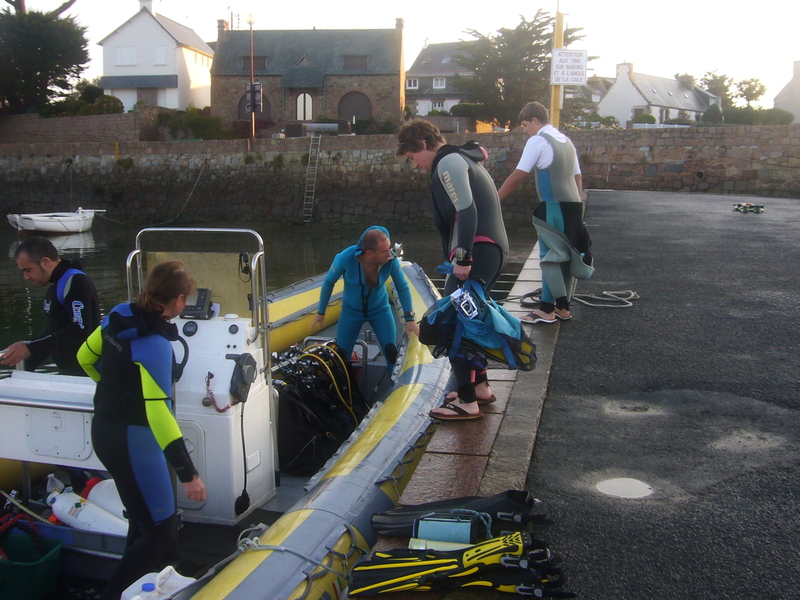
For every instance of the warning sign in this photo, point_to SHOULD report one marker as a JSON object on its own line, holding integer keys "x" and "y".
{"x": 568, "y": 67}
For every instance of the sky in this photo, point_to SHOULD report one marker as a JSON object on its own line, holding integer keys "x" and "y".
{"x": 662, "y": 39}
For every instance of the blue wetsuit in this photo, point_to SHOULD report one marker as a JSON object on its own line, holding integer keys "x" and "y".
{"x": 135, "y": 434}
{"x": 361, "y": 303}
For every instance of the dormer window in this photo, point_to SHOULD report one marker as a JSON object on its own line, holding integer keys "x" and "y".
{"x": 355, "y": 63}
{"x": 446, "y": 60}
{"x": 439, "y": 83}
{"x": 412, "y": 84}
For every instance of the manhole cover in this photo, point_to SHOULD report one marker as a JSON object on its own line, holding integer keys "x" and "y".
{"x": 625, "y": 487}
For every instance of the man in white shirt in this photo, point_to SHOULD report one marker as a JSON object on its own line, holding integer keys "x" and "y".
{"x": 558, "y": 218}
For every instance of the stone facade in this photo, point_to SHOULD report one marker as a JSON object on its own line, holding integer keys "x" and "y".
{"x": 361, "y": 181}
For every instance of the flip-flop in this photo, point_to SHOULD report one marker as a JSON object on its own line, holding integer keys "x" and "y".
{"x": 488, "y": 400}
{"x": 460, "y": 414}
{"x": 560, "y": 318}
{"x": 532, "y": 317}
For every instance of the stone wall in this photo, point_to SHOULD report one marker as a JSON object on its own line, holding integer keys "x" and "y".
{"x": 123, "y": 127}
{"x": 360, "y": 180}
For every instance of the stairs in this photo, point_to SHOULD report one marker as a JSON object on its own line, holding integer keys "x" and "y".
{"x": 311, "y": 178}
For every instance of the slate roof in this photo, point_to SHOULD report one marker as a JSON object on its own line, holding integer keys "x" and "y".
{"x": 439, "y": 59}
{"x": 671, "y": 93}
{"x": 183, "y": 36}
{"x": 322, "y": 49}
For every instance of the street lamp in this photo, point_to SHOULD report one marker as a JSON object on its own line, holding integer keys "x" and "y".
{"x": 250, "y": 20}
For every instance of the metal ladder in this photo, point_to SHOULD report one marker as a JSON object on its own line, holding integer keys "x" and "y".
{"x": 311, "y": 177}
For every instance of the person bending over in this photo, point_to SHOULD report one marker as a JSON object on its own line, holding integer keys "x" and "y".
{"x": 466, "y": 211}
{"x": 366, "y": 267}
{"x": 70, "y": 304}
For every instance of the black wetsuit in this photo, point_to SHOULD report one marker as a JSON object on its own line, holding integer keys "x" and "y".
{"x": 73, "y": 312}
{"x": 135, "y": 434}
{"x": 466, "y": 211}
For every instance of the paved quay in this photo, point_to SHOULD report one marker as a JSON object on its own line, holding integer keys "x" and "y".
{"x": 492, "y": 454}
{"x": 694, "y": 392}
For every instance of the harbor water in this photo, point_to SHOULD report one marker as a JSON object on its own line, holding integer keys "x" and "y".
{"x": 293, "y": 253}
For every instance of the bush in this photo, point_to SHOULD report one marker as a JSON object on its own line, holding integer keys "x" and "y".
{"x": 645, "y": 119}
{"x": 713, "y": 114}
{"x": 464, "y": 109}
{"x": 439, "y": 113}
{"x": 734, "y": 115}
{"x": 104, "y": 105}
{"x": 775, "y": 116}
{"x": 194, "y": 123}
{"x": 372, "y": 127}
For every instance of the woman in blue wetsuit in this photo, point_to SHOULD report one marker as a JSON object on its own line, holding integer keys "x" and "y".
{"x": 366, "y": 267}
{"x": 134, "y": 431}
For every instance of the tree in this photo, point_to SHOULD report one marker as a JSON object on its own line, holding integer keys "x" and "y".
{"x": 719, "y": 85}
{"x": 750, "y": 90}
{"x": 511, "y": 67}
{"x": 41, "y": 54}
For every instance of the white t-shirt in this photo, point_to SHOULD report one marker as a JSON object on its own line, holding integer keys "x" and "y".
{"x": 538, "y": 152}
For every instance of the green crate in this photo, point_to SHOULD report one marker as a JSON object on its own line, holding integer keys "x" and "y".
{"x": 26, "y": 575}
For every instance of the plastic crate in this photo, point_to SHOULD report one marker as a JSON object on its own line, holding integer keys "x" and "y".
{"x": 26, "y": 575}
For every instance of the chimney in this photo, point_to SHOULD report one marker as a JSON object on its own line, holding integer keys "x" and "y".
{"x": 222, "y": 25}
{"x": 150, "y": 5}
{"x": 796, "y": 69}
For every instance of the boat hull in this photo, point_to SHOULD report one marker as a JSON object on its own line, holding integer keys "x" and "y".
{"x": 309, "y": 551}
{"x": 57, "y": 222}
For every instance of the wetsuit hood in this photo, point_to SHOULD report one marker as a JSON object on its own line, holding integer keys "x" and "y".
{"x": 472, "y": 150}
{"x": 132, "y": 322}
{"x": 359, "y": 249}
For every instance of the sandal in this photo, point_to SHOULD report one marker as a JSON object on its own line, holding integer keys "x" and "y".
{"x": 538, "y": 317}
{"x": 454, "y": 396}
{"x": 459, "y": 413}
{"x": 564, "y": 315}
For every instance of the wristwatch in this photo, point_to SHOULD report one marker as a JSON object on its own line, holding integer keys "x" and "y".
{"x": 409, "y": 315}
{"x": 463, "y": 256}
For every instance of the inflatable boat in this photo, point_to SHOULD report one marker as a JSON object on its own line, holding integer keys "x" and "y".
{"x": 227, "y": 405}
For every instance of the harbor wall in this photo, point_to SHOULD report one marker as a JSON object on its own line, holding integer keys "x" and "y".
{"x": 359, "y": 178}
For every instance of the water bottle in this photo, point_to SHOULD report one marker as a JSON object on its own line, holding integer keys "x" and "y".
{"x": 81, "y": 514}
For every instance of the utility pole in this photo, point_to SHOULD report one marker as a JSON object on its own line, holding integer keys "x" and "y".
{"x": 250, "y": 20}
{"x": 557, "y": 91}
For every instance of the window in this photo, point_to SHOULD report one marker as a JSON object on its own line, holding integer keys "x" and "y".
{"x": 412, "y": 84}
{"x": 126, "y": 56}
{"x": 304, "y": 107}
{"x": 355, "y": 63}
{"x": 439, "y": 83}
{"x": 446, "y": 60}
{"x": 437, "y": 105}
{"x": 160, "y": 55}
{"x": 259, "y": 63}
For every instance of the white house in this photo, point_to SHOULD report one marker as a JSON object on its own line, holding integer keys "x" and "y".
{"x": 789, "y": 97}
{"x": 634, "y": 94}
{"x": 156, "y": 61}
{"x": 430, "y": 82}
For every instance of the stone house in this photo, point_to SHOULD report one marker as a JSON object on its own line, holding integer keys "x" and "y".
{"x": 309, "y": 75}
{"x": 789, "y": 97}
{"x": 634, "y": 94}
{"x": 430, "y": 82}
{"x": 156, "y": 61}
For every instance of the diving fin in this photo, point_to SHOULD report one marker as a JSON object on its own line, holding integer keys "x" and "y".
{"x": 401, "y": 570}
{"x": 509, "y": 510}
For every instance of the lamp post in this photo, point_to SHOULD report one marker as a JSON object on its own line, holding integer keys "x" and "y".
{"x": 250, "y": 20}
